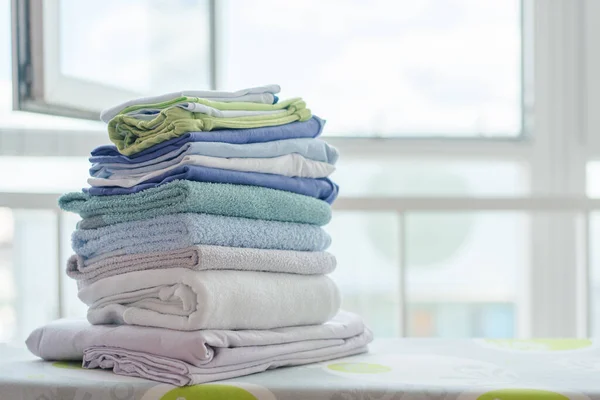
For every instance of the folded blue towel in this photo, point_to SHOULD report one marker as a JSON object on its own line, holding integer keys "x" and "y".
{"x": 312, "y": 149}
{"x": 307, "y": 129}
{"x": 321, "y": 188}
{"x": 177, "y": 231}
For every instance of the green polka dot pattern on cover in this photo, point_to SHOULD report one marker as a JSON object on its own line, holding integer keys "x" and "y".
{"x": 521, "y": 394}
{"x": 208, "y": 392}
{"x": 359, "y": 368}
{"x": 67, "y": 364}
{"x": 541, "y": 344}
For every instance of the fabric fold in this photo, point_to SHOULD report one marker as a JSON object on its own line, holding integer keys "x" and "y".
{"x": 202, "y": 258}
{"x": 290, "y": 165}
{"x": 175, "y": 372}
{"x": 312, "y": 149}
{"x": 183, "y": 196}
{"x": 183, "y": 299}
{"x": 132, "y": 135}
{"x": 320, "y": 188}
{"x": 176, "y": 231}
{"x": 260, "y": 94}
{"x": 296, "y": 130}
{"x": 191, "y": 357}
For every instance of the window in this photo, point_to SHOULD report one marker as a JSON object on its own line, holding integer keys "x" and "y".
{"x": 448, "y": 69}
{"x": 468, "y": 174}
{"x": 86, "y": 57}
{"x": 405, "y": 68}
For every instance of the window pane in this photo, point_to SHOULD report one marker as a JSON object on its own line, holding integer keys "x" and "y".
{"x": 147, "y": 46}
{"x": 593, "y": 179}
{"x": 28, "y": 279}
{"x": 385, "y": 67}
{"x": 367, "y": 269}
{"x": 43, "y": 174}
{"x": 25, "y": 120}
{"x": 593, "y": 190}
{"x": 594, "y": 279}
{"x": 5, "y": 58}
{"x": 462, "y": 272}
{"x": 418, "y": 177}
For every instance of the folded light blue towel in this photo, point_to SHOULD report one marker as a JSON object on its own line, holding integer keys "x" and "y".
{"x": 307, "y": 129}
{"x": 199, "y": 197}
{"x": 176, "y": 231}
{"x": 312, "y": 149}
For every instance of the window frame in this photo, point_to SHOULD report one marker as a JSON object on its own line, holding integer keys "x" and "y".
{"x": 557, "y": 145}
{"x": 39, "y": 86}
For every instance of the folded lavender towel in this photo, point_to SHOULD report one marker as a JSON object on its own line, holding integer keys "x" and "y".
{"x": 200, "y": 258}
{"x": 193, "y": 357}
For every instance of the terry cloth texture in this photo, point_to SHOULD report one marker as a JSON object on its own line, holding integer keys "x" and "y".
{"x": 196, "y": 197}
{"x": 202, "y": 258}
{"x": 176, "y": 231}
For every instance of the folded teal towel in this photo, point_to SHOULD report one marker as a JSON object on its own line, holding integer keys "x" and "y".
{"x": 176, "y": 231}
{"x": 197, "y": 197}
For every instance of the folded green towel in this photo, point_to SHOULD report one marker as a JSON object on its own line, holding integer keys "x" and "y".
{"x": 132, "y": 134}
{"x": 196, "y": 197}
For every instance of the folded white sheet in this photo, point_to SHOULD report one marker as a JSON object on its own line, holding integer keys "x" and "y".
{"x": 193, "y": 357}
{"x": 287, "y": 165}
{"x": 184, "y": 299}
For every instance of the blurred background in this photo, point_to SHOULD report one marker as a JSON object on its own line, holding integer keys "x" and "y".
{"x": 467, "y": 128}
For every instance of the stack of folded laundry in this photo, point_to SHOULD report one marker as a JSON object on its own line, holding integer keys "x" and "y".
{"x": 200, "y": 252}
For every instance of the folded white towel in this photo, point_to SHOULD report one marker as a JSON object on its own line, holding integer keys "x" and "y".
{"x": 183, "y": 299}
{"x": 260, "y": 94}
{"x": 287, "y": 165}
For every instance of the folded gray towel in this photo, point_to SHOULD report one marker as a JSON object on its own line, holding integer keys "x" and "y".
{"x": 201, "y": 258}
